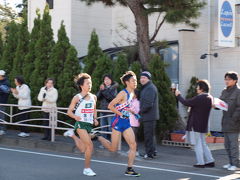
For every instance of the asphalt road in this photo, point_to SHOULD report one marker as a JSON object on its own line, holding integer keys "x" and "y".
{"x": 22, "y": 164}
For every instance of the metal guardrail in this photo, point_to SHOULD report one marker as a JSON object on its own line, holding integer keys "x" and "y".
{"x": 54, "y": 121}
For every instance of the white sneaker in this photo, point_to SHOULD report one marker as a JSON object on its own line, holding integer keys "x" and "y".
{"x": 88, "y": 172}
{"x": 233, "y": 168}
{"x": 226, "y": 166}
{"x": 23, "y": 134}
{"x": 2, "y": 132}
{"x": 69, "y": 133}
{"x": 137, "y": 154}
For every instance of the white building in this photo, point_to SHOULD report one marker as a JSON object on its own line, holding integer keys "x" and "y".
{"x": 184, "y": 54}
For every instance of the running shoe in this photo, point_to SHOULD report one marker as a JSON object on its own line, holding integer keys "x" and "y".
{"x": 69, "y": 133}
{"x": 23, "y": 134}
{"x": 88, "y": 172}
{"x": 131, "y": 172}
{"x": 233, "y": 168}
{"x": 226, "y": 166}
{"x": 94, "y": 135}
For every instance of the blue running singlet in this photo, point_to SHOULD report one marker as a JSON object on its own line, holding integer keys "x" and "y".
{"x": 121, "y": 123}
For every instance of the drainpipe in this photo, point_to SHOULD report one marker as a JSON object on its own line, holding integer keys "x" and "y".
{"x": 209, "y": 42}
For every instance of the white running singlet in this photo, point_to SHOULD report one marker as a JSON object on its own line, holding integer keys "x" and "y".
{"x": 86, "y": 109}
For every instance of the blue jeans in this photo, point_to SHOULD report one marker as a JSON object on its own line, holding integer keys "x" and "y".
{"x": 106, "y": 121}
{"x": 2, "y": 117}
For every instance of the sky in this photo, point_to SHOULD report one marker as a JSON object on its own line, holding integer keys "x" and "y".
{"x": 12, "y": 3}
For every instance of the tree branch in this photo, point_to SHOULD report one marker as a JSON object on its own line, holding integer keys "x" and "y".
{"x": 157, "y": 28}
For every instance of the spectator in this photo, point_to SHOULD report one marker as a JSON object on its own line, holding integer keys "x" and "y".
{"x": 231, "y": 119}
{"x": 4, "y": 93}
{"x": 23, "y": 94}
{"x": 149, "y": 111}
{"x": 107, "y": 92}
{"x": 197, "y": 124}
{"x": 48, "y": 95}
{"x": 134, "y": 116}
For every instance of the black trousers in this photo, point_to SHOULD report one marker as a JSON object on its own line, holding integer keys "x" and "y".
{"x": 21, "y": 117}
{"x": 149, "y": 137}
{"x": 47, "y": 132}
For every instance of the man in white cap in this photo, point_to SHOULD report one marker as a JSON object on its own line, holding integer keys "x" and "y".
{"x": 4, "y": 93}
{"x": 149, "y": 111}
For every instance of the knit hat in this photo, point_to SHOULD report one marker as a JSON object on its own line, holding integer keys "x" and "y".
{"x": 2, "y": 73}
{"x": 147, "y": 74}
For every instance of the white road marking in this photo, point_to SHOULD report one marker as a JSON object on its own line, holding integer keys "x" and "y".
{"x": 108, "y": 162}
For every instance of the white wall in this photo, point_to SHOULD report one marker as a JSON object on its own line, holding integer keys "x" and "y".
{"x": 87, "y": 18}
{"x": 79, "y": 20}
{"x": 61, "y": 12}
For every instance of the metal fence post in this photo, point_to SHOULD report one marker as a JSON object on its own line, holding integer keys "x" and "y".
{"x": 11, "y": 114}
{"x": 52, "y": 123}
{"x": 120, "y": 143}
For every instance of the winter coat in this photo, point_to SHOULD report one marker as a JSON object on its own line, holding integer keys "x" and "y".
{"x": 48, "y": 97}
{"x": 149, "y": 108}
{"x": 23, "y": 96}
{"x": 199, "y": 114}
{"x": 231, "y": 118}
{"x": 4, "y": 90}
{"x": 106, "y": 95}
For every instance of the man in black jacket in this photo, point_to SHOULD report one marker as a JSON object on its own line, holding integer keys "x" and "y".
{"x": 149, "y": 111}
{"x": 4, "y": 93}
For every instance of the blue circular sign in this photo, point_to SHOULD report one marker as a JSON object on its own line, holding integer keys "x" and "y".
{"x": 226, "y": 19}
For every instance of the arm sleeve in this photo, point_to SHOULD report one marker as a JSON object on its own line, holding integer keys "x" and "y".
{"x": 109, "y": 94}
{"x": 52, "y": 97}
{"x": 15, "y": 95}
{"x": 236, "y": 113}
{"x": 99, "y": 94}
{"x": 40, "y": 95}
{"x": 188, "y": 102}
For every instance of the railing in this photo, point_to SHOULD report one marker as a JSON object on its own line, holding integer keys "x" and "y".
{"x": 54, "y": 121}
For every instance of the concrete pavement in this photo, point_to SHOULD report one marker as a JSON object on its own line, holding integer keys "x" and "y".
{"x": 32, "y": 158}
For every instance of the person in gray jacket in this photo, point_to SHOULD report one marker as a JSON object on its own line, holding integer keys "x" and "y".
{"x": 149, "y": 111}
{"x": 231, "y": 120}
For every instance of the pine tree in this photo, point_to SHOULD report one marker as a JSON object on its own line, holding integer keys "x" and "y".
{"x": 28, "y": 64}
{"x": 58, "y": 56}
{"x": 136, "y": 68}
{"x": 167, "y": 100}
{"x": 1, "y": 46}
{"x": 71, "y": 69}
{"x": 22, "y": 49}
{"x": 9, "y": 47}
{"x": 191, "y": 92}
{"x": 119, "y": 68}
{"x": 43, "y": 50}
{"x": 94, "y": 52}
{"x": 103, "y": 66}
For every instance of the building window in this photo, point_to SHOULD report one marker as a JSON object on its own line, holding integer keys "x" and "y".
{"x": 50, "y": 3}
{"x": 170, "y": 57}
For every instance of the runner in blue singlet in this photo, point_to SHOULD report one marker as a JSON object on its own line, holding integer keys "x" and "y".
{"x": 120, "y": 123}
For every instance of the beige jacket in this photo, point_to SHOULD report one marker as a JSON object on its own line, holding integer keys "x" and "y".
{"x": 49, "y": 100}
{"x": 23, "y": 96}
